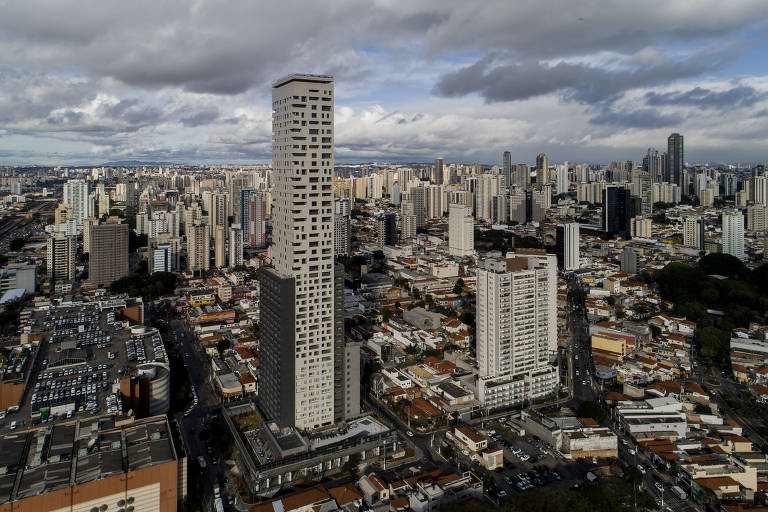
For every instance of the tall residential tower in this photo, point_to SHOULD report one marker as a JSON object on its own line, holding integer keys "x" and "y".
{"x": 297, "y": 320}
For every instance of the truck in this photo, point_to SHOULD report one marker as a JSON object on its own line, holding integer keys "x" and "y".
{"x": 679, "y": 492}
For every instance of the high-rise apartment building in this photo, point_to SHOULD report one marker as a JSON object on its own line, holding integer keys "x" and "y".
{"x": 298, "y": 344}
{"x": 507, "y": 169}
{"x": 198, "y": 247}
{"x": 563, "y": 181}
{"x": 76, "y": 196}
{"x": 461, "y": 231}
{"x": 256, "y": 222}
{"x": 235, "y": 247}
{"x": 386, "y": 230}
{"x": 419, "y": 205}
{"x": 486, "y": 187}
{"x": 342, "y": 235}
{"x": 516, "y": 328}
{"x": 567, "y": 246}
{"x": 408, "y": 225}
{"x": 61, "y": 255}
{"x": 217, "y": 215}
{"x": 220, "y": 246}
{"x": 641, "y": 181}
{"x": 108, "y": 256}
{"x": 733, "y": 233}
{"x": 675, "y": 160}
{"x": 693, "y": 234}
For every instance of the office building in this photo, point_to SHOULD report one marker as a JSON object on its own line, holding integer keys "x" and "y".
{"x": 198, "y": 247}
{"x": 675, "y": 161}
{"x": 641, "y": 181}
{"x": 499, "y": 209}
{"x": 165, "y": 253}
{"x": 297, "y": 384}
{"x": 507, "y": 169}
{"x": 461, "y": 231}
{"x": 619, "y": 207}
{"x": 437, "y": 177}
{"x": 61, "y": 255}
{"x": 567, "y": 246}
{"x": 516, "y": 329}
{"x": 733, "y": 233}
{"x": 542, "y": 168}
{"x": 220, "y": 246}
{"x": 386, "y": 230}
{"x": 436, "y": 201}
{"x": 640, "y": 227}
{"x": 235, "y": 247}
{"x": 18, "y": 276}
{"x": 108, "y": 257}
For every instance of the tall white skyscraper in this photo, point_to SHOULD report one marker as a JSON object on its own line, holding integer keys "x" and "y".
{"x": 562, "y": 179}
{"x": 297, "y": 317}
{"x": 571, "y": 246}
{"x": 733, "y": 233}
{"x": 76, "y": 197}
{"x": 461, "y": 231}
{"x": 516, "y": 328}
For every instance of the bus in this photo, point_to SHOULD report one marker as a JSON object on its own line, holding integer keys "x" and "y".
{"x": 679, "y": 492}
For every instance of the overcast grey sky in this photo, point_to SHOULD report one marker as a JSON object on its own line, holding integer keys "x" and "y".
{"x": 188, "y": 81}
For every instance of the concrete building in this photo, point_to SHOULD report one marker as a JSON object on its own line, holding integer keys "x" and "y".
{"x": 198, "y": 247}
{"x": 342, "y": 235}
{"x": 693, "y": 231}
{"x": 516, "y": 329}
{"x": 733, "y": 233}
{"x": 418, "y": 203}
{"x": 386, "y": 230}
{"x": 675, "y": 160}
{"x": 408, "y": 227}
{"x": 254, "y": 227}
{"x": 235, "y": 247}
{"x": 61, "y": 255}
{"x": 567, "y": 246}
{"x": 108, "y": 257}
{"x": 217, "y": 215}
{"x": 220, "y": 246}
{"x": 297, "y": 344}
{"x": 76, "y": 196}
{"x": 542, "y": 168}
{"x": 563, "y": 182}
{"x": 461, "y": 231}
{"x": 17, "y": 276}
{"x": 75, "y": 467}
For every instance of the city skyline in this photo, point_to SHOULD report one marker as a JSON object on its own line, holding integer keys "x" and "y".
{"x": 87, "y": 85}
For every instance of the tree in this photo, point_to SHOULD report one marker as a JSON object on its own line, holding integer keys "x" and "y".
{"x": 590, "y": 409}
{"x": 222, "y": 346}
{"x": 412, "y": 350}
{"x": 458, "y": 287}
{"x": 655, "y": 331}
{"x": 723, "y": 265}
{"x": 351, "y": 465}
{"x": 702, "y": 409}
{"x": 386, "y": 314}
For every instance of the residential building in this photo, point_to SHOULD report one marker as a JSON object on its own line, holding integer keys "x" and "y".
{"x": 198, "y": 247}
{"x": 675, "y": 160}
{"x": 461, "y": 231}
{"x": 733, "y": 233}
{"x": 235, "y": 247}
{"x": 516, "y": 329}
{"x": 386, "y": 230}
{"x": 108, "y": 257}
{"x": 61, "y": 255}
{"x": 220, "y": 246}
{"x": 297, "y": 317}
{"x": 567, "y": 246}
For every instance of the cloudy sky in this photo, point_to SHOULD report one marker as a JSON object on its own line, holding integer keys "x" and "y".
{"x": 189, "y": 80}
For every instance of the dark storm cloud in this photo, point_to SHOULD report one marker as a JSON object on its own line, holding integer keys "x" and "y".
{"x": 640, "y": 118}
{"x": 737, "y": 97}
{"x": 205, "y": 116}
{"x": 574, "y": 82}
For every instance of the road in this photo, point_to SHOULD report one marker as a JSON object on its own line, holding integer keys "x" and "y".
{"x": 198, "y": 416}
{"x": 580, "y": 365}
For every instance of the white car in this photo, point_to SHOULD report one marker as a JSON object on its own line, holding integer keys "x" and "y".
{"x": 409, "y": 433}
{"x": 659, "y": 486}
